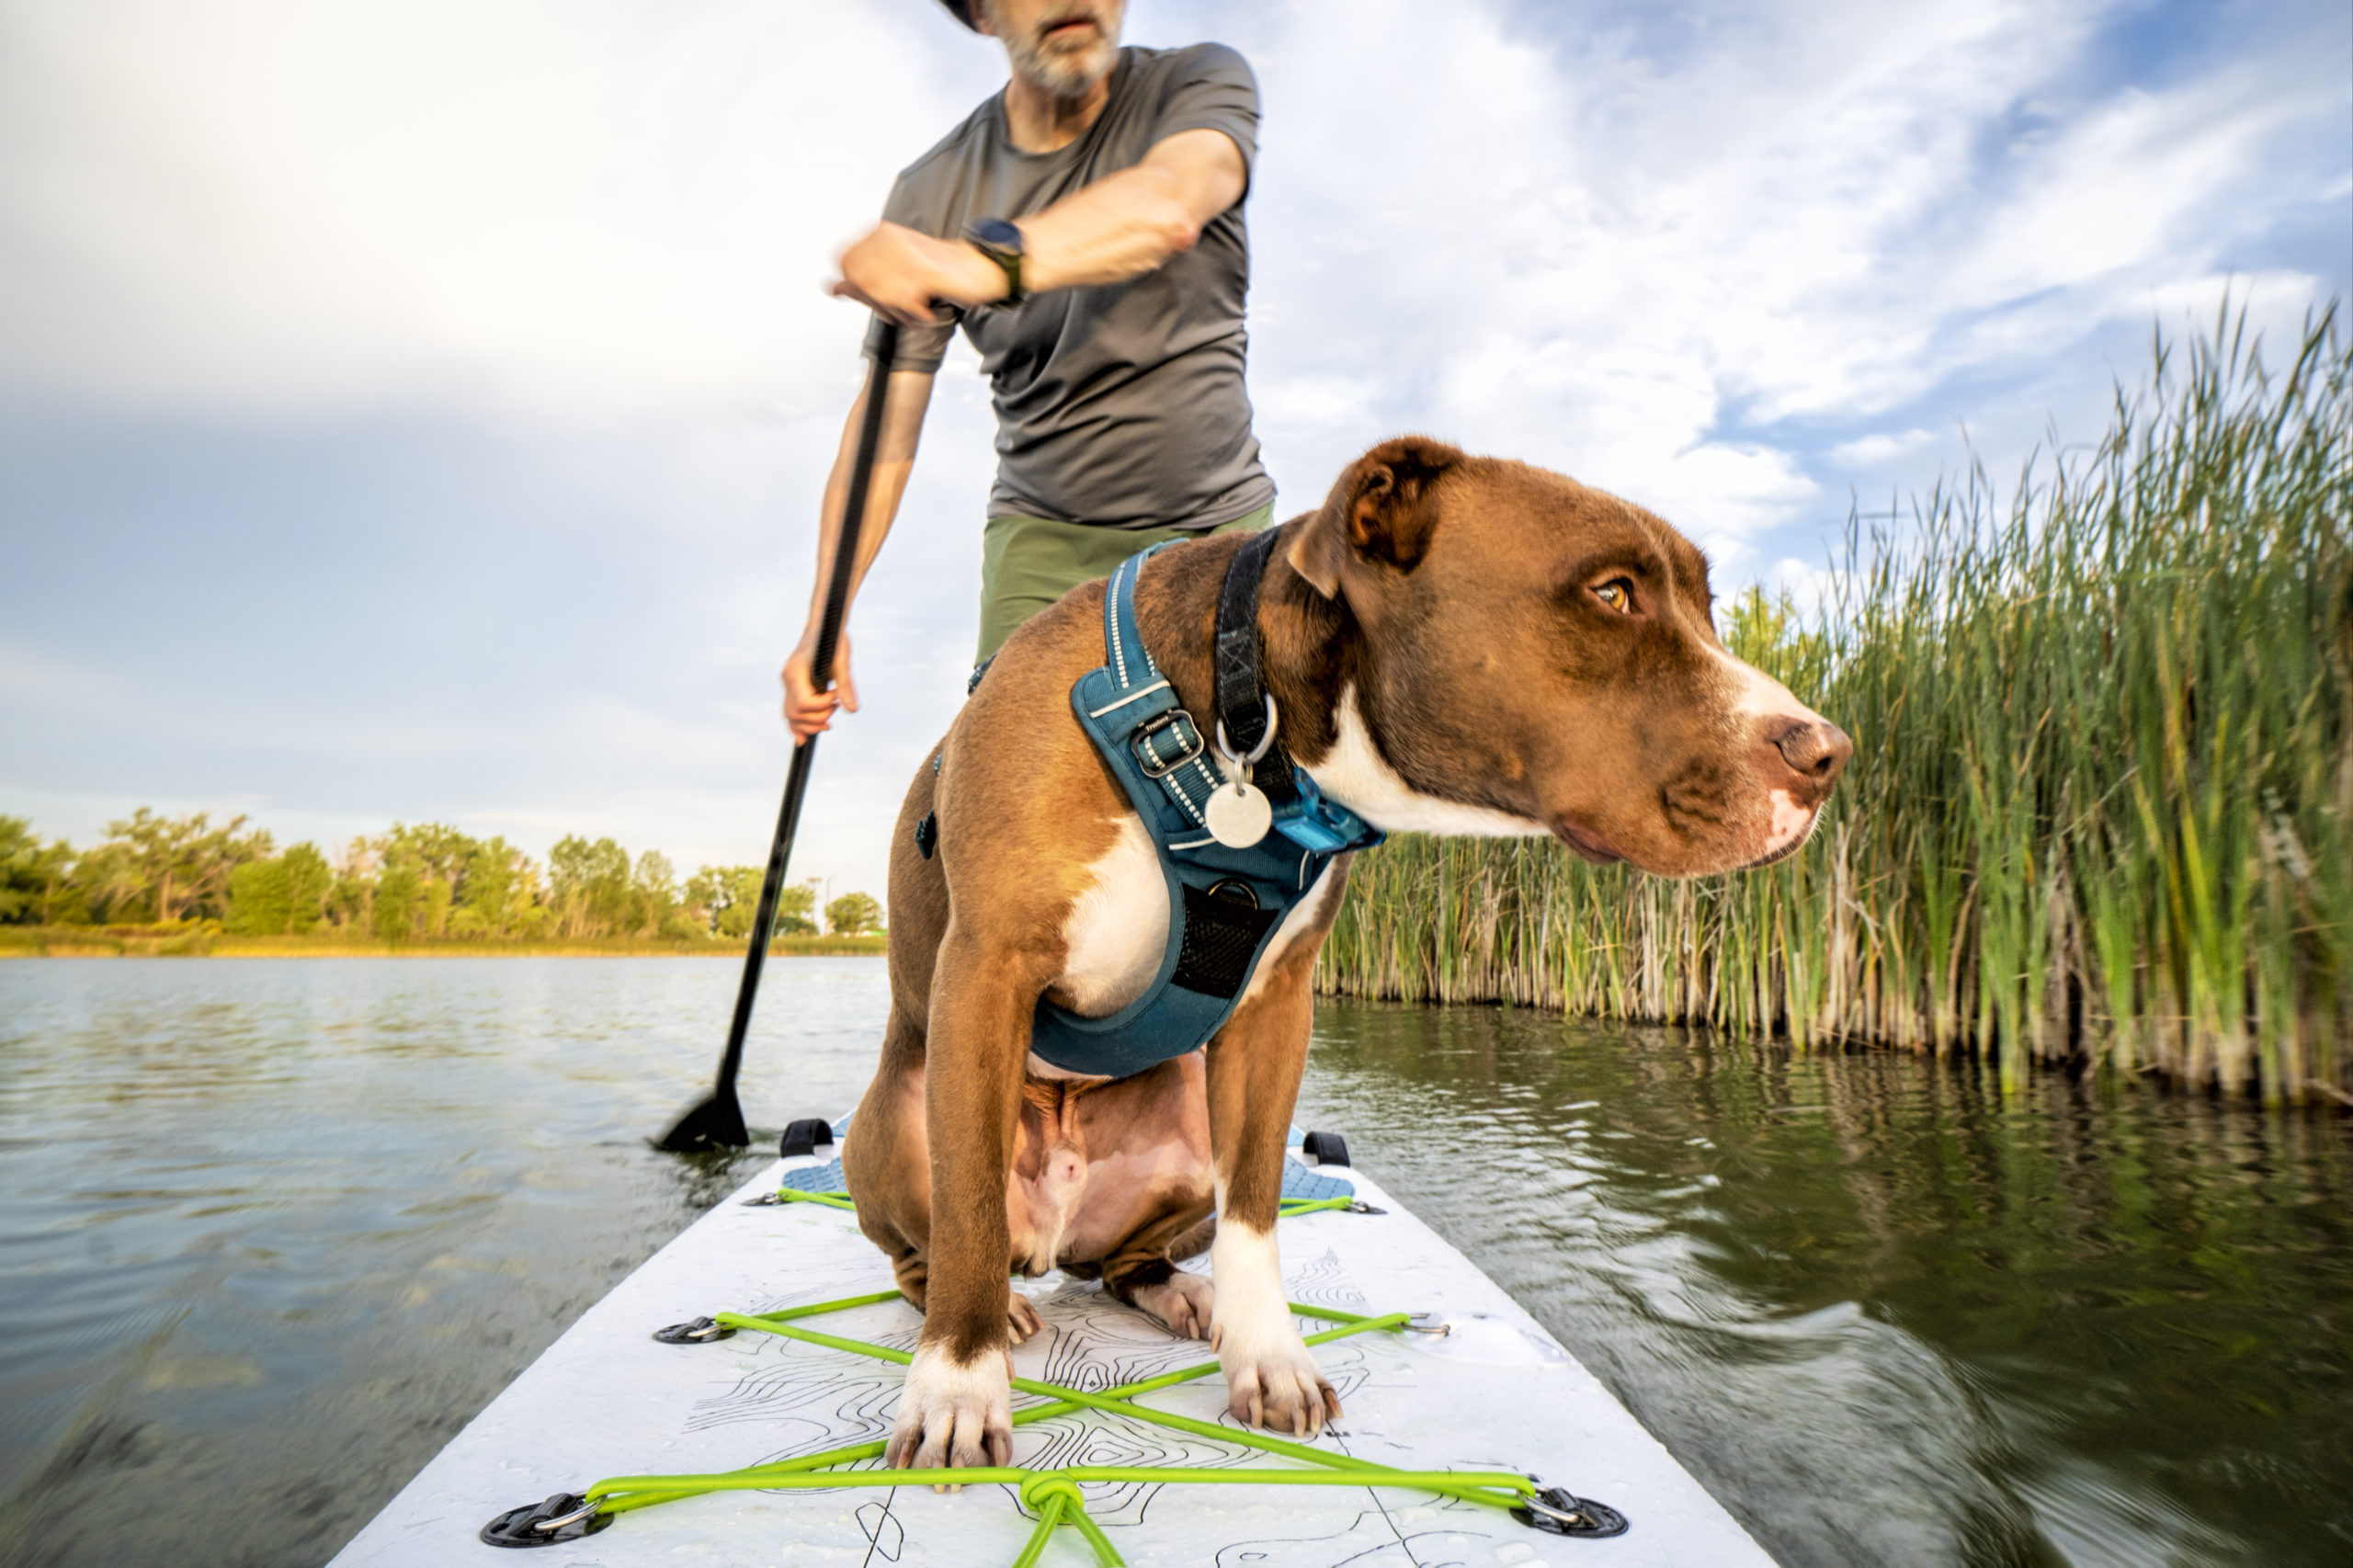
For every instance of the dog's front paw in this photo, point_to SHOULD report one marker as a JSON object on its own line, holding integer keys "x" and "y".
{"x": 1277, "y": 1386}
{"x": 1180, "y": 1303}
{"x": 953, "y": 1415}
{"x": 1270, "y": 1380}
{"x": 1021, "y": 1319}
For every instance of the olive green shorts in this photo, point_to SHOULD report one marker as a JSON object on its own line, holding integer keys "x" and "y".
{"x": 1029, "y": 562}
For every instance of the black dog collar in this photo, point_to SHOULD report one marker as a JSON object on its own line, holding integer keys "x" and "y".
{"x": 1242, "y": 706}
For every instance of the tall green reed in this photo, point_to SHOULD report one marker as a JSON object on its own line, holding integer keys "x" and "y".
{"x": 2101, "y": 805}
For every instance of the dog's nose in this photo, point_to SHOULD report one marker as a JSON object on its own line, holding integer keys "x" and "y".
{"x": 1815, "y": 749}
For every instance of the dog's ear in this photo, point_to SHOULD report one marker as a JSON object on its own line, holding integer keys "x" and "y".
{"x": 1381, "y": 510}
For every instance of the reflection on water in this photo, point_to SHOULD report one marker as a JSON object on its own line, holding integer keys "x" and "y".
{"x": 1887, "y": 1318}
{"x": 270, "y": 1232}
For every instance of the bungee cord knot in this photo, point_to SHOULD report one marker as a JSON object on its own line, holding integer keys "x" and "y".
{"x": 1057, "y": 1500}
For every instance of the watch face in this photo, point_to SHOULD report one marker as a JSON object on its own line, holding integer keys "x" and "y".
{"x": 998, "y": 232}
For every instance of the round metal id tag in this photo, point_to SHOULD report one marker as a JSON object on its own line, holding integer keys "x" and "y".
{"x": 1238, "y": 814}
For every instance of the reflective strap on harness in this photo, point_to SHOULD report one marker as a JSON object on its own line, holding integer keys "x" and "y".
{"x": 1167, "y": 744}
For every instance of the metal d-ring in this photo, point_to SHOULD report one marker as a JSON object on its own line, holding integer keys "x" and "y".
{"x": 1555, "y": 1510}
{"x": 1266, "y": 742}
{"x": 563, "y": 1518}
{"x": 549, "y": 1527}
{"x": 695, "y": 1331}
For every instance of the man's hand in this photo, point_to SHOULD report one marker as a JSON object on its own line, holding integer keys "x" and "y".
{"x": 806, "y": 709}
{"x": 809, "y": 711}
{"x": 904, "y": 274}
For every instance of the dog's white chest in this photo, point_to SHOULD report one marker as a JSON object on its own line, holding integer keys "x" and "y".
{"x": 1118, "y": 931}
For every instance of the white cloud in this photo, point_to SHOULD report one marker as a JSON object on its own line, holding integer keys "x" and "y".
{"x": 2274, "y": 305}
{"x": 1602, "y": 255}
{"x": 1808, "y": 584}
{"x": 536, "y": 205}
{"x": 2112, "y": 192}
{"x": 1881, "y": 446}
{"x": 1342, "y": 405}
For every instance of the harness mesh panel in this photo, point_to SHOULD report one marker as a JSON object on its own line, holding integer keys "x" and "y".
{"x": 1220, "y": 936}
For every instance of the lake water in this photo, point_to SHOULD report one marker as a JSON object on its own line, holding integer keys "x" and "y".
{"x": 272, "y": 1230}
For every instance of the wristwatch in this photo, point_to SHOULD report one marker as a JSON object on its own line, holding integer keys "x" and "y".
{"x": 1000, "y": 241}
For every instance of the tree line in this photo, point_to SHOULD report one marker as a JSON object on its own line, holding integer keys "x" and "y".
{"x": 425, "y": 881}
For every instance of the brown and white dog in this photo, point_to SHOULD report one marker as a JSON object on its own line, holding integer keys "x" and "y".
{"x": 1458, "y": 645}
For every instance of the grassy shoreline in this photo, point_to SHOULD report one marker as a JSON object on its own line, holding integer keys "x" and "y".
{"x": 206, "y": 939}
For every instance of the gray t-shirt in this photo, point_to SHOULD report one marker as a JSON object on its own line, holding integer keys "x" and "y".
{"x": 1120, "y": 404}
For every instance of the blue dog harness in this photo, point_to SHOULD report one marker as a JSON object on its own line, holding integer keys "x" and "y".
{"x": 1224, "y": 903}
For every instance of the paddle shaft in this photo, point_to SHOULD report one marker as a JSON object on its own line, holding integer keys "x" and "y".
{"x": 821, "y": 671}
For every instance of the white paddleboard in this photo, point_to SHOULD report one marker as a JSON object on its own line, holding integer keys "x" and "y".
{"x": 1493, "y": 1393}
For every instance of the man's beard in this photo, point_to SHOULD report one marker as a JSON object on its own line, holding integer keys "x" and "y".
{"x": 1065, "y": 72}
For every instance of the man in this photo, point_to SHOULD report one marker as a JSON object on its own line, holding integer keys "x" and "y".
{"x": 1085, "y": 227}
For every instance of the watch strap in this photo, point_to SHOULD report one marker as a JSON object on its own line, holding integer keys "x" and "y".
{"x": 1001, "y": 242}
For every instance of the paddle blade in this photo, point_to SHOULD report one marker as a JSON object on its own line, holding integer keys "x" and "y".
{"x": 716, "y": 1123}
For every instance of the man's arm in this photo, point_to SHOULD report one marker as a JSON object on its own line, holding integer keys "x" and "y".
{"x": 1128, "y": 224}
{"x": 806, "y": 709}
{"x": 1122, "y": 226}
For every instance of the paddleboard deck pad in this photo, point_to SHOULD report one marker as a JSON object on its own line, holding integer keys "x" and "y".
{"x": 787, "y": 1344}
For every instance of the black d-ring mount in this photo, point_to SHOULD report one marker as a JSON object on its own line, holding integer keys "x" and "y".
{"x": 565, "y": 1517}
{"x": 1325, "y": 1148}
{"x": 695, "y": 1331}
{"x": 1557, "y": 1511}
{"x": 804, "y": 1136}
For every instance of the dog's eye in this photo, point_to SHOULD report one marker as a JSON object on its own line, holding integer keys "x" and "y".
{"x": 1618, "y": 594}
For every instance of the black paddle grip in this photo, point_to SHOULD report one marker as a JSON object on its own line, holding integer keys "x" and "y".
{"x": 862, "y": 482}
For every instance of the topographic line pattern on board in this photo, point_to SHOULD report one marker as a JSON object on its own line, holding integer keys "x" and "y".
{"x": 809, "y": 1398}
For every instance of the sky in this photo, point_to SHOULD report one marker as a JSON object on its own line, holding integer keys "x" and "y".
{"x": 417, "y": 411}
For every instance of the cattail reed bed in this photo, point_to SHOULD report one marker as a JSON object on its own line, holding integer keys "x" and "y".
{"x": 2101, "y": 804}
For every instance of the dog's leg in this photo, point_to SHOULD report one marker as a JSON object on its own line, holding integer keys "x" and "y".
{"x": 884, "y": 1160}
{"x": 1144, "y": 1273}
{"x": 1178, "y": 1302}
{"x": 957, "y": 1407}
{"x": 887, "y": 1158}
{"x": 913, "y": 1277}
{"x": 1254, "y": 1070}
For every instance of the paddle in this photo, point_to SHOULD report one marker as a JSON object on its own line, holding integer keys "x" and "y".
{"x": 718, "y": 1121}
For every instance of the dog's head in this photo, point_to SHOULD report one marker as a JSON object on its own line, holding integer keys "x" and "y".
{"x": 1539, "y": 657}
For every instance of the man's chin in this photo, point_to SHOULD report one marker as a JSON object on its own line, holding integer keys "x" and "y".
{"x": 1070, "y": 86}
